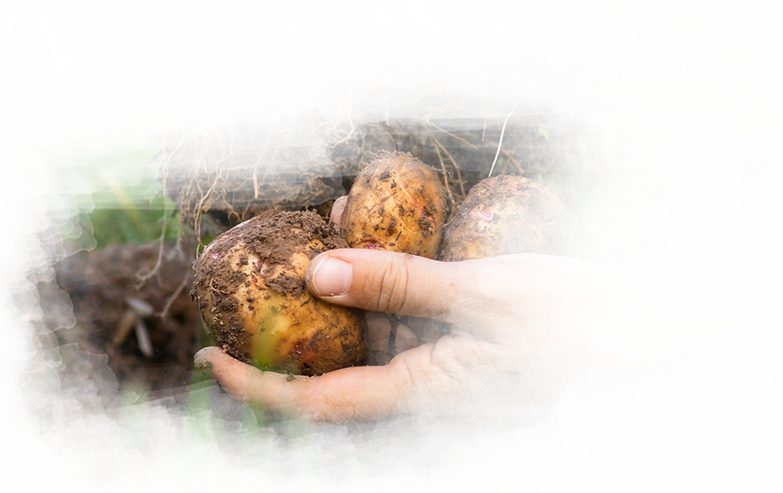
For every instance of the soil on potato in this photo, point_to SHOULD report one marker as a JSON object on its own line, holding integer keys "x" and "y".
{"x": 61, "y": 359}
{"x": 282, "y": 110}
{"x": 250, "y": 289}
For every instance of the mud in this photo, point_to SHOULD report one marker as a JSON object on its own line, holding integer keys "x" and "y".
{"x": 287, "y": 101}
{"x": 250, "y": 289}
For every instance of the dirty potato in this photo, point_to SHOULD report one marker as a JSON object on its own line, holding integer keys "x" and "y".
{"x": 397, "y": 203}
{"x": 249, "y": 286}
{"x": 502, "y": 215}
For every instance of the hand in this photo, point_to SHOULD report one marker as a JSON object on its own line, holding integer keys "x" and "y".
{"x": 535, "y": 340}
{"x": 522, "y": 326}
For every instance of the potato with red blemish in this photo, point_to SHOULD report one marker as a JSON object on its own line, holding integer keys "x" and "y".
{"x": 250, "y": 288}
{"x": 502, "y": 215}
{"x": 398, "y": 204}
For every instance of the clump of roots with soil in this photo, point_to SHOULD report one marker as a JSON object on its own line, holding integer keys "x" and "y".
{"x": 282, "y": 103}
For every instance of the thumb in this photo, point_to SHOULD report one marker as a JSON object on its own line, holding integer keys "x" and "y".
{"x": 385, "y": 282}
{"x": 347, "y": 396}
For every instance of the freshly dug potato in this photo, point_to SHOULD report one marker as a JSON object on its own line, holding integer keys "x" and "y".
{"x": 502, "y": 215}
{"x": 397, "y": 203}
{"x": 249, "y": 285}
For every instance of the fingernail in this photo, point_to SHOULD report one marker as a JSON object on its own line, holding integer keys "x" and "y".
{"x": 201, "y": 362}
{"x": 331, "y": 277}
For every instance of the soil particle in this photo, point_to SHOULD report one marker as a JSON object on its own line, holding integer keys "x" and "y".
{"x": 274, "y": 243}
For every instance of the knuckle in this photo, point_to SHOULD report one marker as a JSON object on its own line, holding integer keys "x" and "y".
{"x": 392, "y": 287}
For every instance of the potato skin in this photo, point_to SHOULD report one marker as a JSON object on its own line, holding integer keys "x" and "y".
{"x": 397, "y": 203}
{"x": 249, "y": 286}
{"x": 502, "y": 215}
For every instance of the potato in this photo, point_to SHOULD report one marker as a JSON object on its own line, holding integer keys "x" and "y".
{"x": 502, "y": 215}
{"x": 249, "y": 286}
{"x": 397, "y": 203}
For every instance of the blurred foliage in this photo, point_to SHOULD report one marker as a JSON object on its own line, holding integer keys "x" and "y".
{"x": 53, "y": 58}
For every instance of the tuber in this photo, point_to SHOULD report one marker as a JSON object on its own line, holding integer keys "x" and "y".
{"x": 502, "y": 215}
{"x": 250, "y": 288}
{"x": 397, "y": 203}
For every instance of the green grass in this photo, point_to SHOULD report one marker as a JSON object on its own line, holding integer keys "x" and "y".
{"x": 53, "y": 57}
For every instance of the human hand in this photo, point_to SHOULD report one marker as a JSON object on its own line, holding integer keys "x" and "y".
{"x": 520, "y": 325}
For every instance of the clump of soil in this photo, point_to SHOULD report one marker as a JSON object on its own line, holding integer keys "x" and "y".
{"x": 281, "y": 101}
{"x": 250, "y": 289}
{"x": 67, "y": 356}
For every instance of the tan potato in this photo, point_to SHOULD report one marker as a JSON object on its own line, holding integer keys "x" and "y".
{"x": 249, "y": 285}
{"x": 502, "y": 215}
{"x": 397, "y": 203}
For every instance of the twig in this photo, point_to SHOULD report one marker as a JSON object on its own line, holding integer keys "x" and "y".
{"x": 500, "y": 141}
{"x": 451, "y": 134}
{"x": 440, "y": 147}
{"x": 173, "y": 297}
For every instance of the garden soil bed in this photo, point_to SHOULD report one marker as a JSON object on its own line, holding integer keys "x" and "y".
{"x": 79, "y": 332}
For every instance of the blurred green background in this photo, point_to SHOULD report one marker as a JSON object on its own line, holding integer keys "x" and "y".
{"x": 721, "y": 211}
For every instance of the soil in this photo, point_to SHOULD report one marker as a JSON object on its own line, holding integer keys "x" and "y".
{"x": 63, "y": 357}
{"x": 230, "y": 292}
{"x": 64, "y": 360}
{"x": 285, "y": 103}
{"x": 502, "y": 215}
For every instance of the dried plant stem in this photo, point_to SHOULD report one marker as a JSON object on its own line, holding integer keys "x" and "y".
{"x": 500, "y": 141}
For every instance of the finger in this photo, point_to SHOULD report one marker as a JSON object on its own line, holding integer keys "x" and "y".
{"x": 379, "y": 330}
{"x": 387, "y": 282}
{"x": 336, "y": 215}
{"x": 347, "y": 396}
